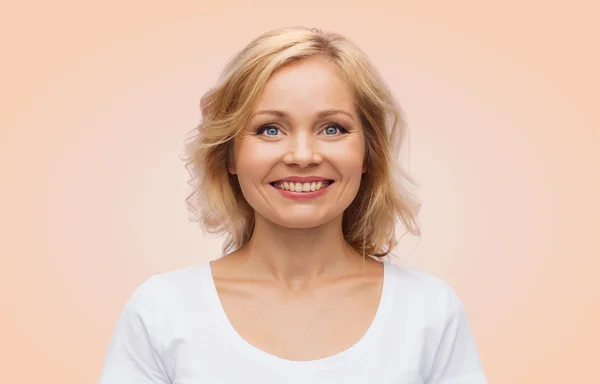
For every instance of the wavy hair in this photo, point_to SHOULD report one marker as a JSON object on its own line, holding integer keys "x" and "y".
{"x": 216, "y": 200}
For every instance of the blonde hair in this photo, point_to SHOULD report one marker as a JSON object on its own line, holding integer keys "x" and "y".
{"x": 216, "y": 200}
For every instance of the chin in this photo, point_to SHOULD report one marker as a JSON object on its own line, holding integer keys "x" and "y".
{"x": 303, "y": 220}
{"x": 300, "y": 225}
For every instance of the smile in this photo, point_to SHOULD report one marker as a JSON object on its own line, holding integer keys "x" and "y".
{"x": 301, "y": 187}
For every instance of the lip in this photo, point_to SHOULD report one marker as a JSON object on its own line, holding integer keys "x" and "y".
{"x": 301, "y": 179}
{"x": 303, "y": 195}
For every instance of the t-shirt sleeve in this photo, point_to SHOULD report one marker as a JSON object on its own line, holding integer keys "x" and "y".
{"x": 457, "y": 360}
{"x": 131, "y": 357}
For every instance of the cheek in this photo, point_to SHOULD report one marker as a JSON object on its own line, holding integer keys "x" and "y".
{"x": 349, "y": 157}
{"x": 253, "y": 161}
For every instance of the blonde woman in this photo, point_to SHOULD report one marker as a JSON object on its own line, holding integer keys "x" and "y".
{"x": 295, "y": 159}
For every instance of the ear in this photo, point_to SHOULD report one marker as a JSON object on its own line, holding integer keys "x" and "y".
{"x": 231, "y": 160}
{"x": 231, "y": 167}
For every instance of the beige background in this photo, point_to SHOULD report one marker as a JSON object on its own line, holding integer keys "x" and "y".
{"x": 501, "y": 99}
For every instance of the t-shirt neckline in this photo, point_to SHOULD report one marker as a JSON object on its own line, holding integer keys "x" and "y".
{"x": 244, "y": 347}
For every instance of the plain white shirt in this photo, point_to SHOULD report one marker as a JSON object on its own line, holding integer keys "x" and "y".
{"x": 174, "y": 330}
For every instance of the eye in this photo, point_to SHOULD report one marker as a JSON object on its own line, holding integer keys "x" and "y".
{"x": 268, "y": 130}
{"x": 334, "y": 129}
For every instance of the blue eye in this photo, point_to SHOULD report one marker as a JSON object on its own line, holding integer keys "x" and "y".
{"x": 334, "y": 129}
{"x": 269, "y": 130}
{"x": 330, "y": 130}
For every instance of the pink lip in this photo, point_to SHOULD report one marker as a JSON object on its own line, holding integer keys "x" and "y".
{"x": 303, "y": 195}
{"x": 299, "y": 179}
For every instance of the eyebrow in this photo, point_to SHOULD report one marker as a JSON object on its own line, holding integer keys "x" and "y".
{"x": 322, "y": 114}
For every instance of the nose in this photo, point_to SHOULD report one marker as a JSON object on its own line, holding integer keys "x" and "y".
{"x": 302, "y": 152}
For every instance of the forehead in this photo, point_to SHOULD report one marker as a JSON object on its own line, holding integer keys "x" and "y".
{"x": 307, "y": 86}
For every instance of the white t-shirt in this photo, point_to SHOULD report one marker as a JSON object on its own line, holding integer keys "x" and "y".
{"x": 173, "y": 330}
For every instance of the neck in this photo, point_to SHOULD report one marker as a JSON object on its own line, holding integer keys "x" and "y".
{"x": 298, "y": 256}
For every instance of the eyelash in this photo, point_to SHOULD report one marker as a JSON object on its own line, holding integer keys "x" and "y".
{"x": 340, "y": 128}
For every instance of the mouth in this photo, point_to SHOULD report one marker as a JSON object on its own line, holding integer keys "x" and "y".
{"x": 301, "y": 187}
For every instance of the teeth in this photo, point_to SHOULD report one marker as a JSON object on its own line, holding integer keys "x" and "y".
{"x": 301, "y": 187}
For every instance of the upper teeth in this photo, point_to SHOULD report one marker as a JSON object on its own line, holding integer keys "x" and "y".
{"x": 301, "y": 187}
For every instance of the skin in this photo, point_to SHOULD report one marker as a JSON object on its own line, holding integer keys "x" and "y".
{"x": 289, "y": 289}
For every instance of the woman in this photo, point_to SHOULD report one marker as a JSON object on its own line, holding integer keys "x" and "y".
{"x": 295, "y": 161}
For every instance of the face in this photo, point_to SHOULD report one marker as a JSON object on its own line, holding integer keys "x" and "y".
{"x": 300, "y": 159}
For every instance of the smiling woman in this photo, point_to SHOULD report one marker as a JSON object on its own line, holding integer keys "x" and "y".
{"x": 295, "y": 159}
{"x": 311, "y": 134}
{"x": 330, "y": 71}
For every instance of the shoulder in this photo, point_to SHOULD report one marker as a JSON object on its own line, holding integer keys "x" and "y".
{"x": 168, "y": 290}
{"x": 419, "y": 281}
{"x": 428, "y": 317}
{"x": 424, "y": 293}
